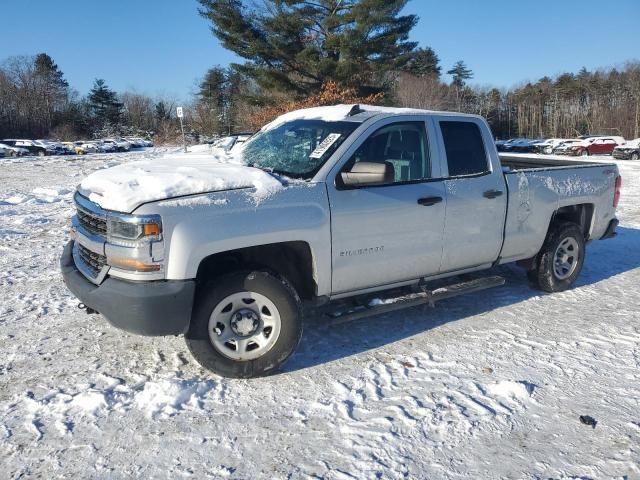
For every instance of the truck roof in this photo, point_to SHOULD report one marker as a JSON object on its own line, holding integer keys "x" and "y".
{"x": 356, "y": 113}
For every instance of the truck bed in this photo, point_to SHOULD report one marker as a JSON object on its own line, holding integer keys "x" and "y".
{"x": 538, "y": 187}
{"x": 524, "y": 162}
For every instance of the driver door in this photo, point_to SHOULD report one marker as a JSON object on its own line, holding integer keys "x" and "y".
{"x": 392, "y": 232}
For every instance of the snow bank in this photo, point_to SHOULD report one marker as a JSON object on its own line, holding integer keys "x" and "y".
{"x": 124, "y": 187}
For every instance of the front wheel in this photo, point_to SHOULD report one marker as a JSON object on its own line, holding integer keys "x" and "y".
{"x": 246, "y": 325}
{"x": 585, "y": 153}
{"x": 560, "y": 259}
{"x": 635, "y": 156}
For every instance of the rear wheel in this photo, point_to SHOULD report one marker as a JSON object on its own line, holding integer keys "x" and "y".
{"x": 41, "y": 153}
{"x": 560, "y": 259}
{"x": 246, "y": 325}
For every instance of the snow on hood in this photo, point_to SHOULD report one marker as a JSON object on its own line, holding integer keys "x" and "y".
{"x": 125, "y": 187}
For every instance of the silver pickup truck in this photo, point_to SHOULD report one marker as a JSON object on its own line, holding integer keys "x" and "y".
{"x": 321, "y": 205}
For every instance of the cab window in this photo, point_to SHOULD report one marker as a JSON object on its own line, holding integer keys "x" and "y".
{"x": 402, "y": 146}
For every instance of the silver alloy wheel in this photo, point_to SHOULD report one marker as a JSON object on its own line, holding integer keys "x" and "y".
{"x": 244, "y": 326}
{"x": 565, "y": 260}
{"x": 634, "y": 156}
{"x": 585, "y": 153}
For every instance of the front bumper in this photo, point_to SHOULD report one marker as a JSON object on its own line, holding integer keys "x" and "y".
{"x": 622, "y": 155}
{"x": 152, "y": 308}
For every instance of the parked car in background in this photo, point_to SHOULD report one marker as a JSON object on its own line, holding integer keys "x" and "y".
{"x": 628, "y": 151}
{"x": 120, "y": 144}
{"x": 510, "y": 144}
{"x": 35, "y": 147}
{"x": 547, "y": 146}
{"x": 138, "y": 142}
{"x": 70, "y": 147}
{"x": 595, "y": 146}
{"x": 134, "y": 142}
{"x": 564, "y": 146}
{"x": 228, "y": 143}
{"x": 103, "y": 147}
{"x": 82, "y": 148}
{"x": 11, "y": 151}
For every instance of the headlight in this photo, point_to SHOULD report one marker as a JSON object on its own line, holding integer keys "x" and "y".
{"x": 135, "y": 230}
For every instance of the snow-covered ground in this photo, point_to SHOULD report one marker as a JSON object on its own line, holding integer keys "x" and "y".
{"x": 491, "y": 385}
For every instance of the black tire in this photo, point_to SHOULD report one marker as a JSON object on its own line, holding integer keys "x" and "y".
{"x": 278, "y": 291}
{"x": 544, "y": 275}
{"x": 635, "y": 156}
{"x": 41, "y": 153}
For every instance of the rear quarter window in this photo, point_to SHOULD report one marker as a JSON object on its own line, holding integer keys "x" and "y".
{"x": 464, "y": 148}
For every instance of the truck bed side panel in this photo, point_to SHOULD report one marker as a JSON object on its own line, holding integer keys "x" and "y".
{"x": 536, "y": 194}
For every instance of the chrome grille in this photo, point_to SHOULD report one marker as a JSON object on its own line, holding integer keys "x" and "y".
{"x": 93, "y": 261}
{"x": 92, "y": 223}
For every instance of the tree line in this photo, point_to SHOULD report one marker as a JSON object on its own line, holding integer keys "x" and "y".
{"x": 298, "y": 53}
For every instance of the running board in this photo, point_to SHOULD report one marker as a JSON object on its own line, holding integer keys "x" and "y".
{"x": 414, "y": 300}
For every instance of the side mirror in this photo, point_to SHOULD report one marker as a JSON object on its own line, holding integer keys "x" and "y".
{"x": 369, "y": 173}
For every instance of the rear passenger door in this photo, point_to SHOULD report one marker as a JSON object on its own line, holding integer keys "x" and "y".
{"x": 476, "y": 194}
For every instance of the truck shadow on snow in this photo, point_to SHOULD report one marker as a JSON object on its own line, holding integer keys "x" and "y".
{"x": 323, "y": 344}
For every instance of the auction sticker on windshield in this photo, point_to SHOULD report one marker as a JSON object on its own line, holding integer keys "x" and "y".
{"x": 325, "y": 145}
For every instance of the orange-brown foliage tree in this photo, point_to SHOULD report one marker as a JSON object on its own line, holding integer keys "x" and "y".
{"x": 330, "y": 94}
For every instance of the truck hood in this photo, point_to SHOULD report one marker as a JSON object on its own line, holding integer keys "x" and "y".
{"x": 125, "y": 187}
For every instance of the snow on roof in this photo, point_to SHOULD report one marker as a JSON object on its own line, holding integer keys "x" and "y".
{"x": 342, "y": 112}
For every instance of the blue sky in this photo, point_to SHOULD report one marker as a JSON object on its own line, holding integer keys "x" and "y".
{"x": 163, "y": 46}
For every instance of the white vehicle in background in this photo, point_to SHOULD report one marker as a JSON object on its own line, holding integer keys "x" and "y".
{"x": 230, "y": 142}
{"x": 105, "y": 147}
{"x": 120, "y": 144}
{"x": 82, "y": 148}
{"x": 547, "y": 146}
{"x": 10, "y": 151}
{"x": 135, "y": 142}
{"x": 565, "y": 146}
{"x": 138, "y": 142}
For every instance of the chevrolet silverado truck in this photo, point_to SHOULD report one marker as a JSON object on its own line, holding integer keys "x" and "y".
{"x": 319, "y": 206}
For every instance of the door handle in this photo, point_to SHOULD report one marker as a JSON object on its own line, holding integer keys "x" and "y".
{"x": 492, "y": 193}
{"x": 428, "y": 201}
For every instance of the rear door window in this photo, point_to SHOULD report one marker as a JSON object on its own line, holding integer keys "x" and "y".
{"x": 464, "y": 148}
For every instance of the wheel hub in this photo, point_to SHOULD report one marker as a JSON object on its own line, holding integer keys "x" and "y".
{"x": 244, "y": 322}
{"x": 566, "y": 258}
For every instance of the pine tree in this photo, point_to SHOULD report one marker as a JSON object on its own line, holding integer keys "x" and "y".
{"x": 162, "y": 112}
{"x": 212, "y": 87}
{"x": 298, "y": 45}
{"x": 104, "y": 104}
{"x": 50, "y": 87}
{"x": 460, "y": 74}
{"x": 423, "y": 62}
